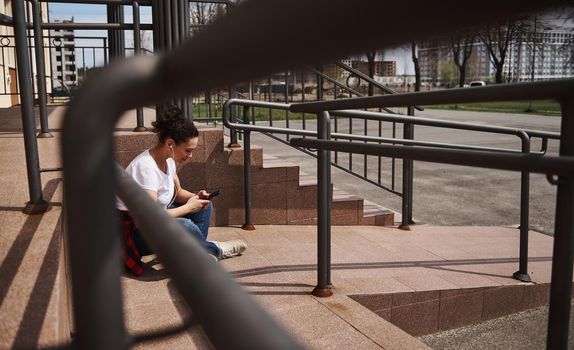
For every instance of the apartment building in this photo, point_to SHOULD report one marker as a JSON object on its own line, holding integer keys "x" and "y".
{"x": 63, "y": 53}
{"x": 9, "y": 93}
{"x": 541, "y": 54}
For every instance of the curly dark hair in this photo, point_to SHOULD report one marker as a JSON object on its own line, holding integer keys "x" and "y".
{"x": 174, "y": 125}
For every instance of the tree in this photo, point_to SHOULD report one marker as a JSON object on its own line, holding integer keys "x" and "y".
{"x": 371, "y": 54}
{"x": 448, "y": 74}
{"x": 416, "y": 65}
{"x": 567, "y": 15}
{"x": 461, "y": 45}
{"x": 203, "y": 13}
{"x": 497, "y": 38}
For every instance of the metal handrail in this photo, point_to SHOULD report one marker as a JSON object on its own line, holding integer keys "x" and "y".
{"x": 370, "y": 80}
{"x": 563, "y": 256}
{"x": 441, "y": 123}
{"x": 555, "y": 89}
{"x": 550, "y": 165}
{"x": 227, "y": 121}
{"x": 523, "y": 135}
{"x": 87, "y": 138}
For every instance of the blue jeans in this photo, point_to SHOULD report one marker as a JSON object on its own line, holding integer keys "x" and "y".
{"x": 198, "y": 225}
{"x": 195, "y": 223}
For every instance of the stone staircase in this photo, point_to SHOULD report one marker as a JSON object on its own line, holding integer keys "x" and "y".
{"x": 281, "y": 194}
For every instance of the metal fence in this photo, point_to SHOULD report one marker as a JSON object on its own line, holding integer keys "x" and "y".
{"x": 200, "y": 65}
{"x": 558, "y": 169}
{"x": 331, "y": 132}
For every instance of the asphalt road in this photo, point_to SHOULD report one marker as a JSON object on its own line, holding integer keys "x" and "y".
{"x": 522, "y": 330}
{"x": 447, "y": 194}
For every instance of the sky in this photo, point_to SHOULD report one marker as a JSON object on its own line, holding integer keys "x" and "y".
{"x": 88, "y": 13}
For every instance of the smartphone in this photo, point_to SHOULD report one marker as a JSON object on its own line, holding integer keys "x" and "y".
{"x": 214, "y": 194}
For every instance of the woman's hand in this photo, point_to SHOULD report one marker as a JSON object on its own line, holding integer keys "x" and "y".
{"x": 194, "y": 204}
{"x": 202, "y": 194}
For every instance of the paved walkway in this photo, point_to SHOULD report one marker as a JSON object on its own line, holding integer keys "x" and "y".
{"x": 278, "y": 269}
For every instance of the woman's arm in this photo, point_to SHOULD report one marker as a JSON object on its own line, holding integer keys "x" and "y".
{"x": 191, "y": 206}
{"x": 181, "y": 195}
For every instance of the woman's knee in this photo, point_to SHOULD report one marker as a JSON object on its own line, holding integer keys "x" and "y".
{"x": 189, "y": 225}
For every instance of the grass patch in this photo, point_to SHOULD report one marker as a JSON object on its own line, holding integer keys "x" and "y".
{"x": 539, "y": 107}
{"x": 260, "y": 114}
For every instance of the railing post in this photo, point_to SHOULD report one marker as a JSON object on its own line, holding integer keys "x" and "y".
{"x": 319, "y": 84}
{"x": 105, "y": 44}
{"x": 40, "y": 70}
{"x": 522, "y": 273}
{"x": 137, "y": 51}
{"x": 37, "y": 204}
{"x": 248, "y": 225}
{"x": 323, "y": 288}
{"x": 562, "y": 258}
{"x": 407, "y": 200}
{"x": 233, "y": 117}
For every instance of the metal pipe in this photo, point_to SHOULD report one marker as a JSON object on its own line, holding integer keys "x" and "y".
{"x": 110, "y": 13}
{"x": 137, "y": 51}
{"x": 174, "y": 22}
{"x": 407, "y": 197}
{"x": 411, "y": 113}
{"x": 369, "y": 79}
{"x": 440, "y": 123}
{"x": 562, "y": 259}
{"x": 120, "y": 34}
{"x": 335, "y": 135}
{"x": 40, "y": 70}
{"x": 169, "y": 44}
{"x": 87, "y": 26}
{"x": 37, "y": 204}
{"x": 106, "y": 51}
{"x": 155, "y": 23}
{"x": 100, "y": 2}
{"x": 555, "y": 89}
{"x": 6, "y": 20}
{"x": 323, "y": 288}
{"x": 563, "y": 165}
{"x": 522, "y": 273}
{"x": 319, "y": 80}
{"x": 233, "y": 116}
{"x": 248, "y": 225}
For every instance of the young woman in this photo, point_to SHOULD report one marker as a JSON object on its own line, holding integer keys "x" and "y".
{"x": 155, "y": 171}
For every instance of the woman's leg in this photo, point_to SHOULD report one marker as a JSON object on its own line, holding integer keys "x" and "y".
{"x": 202, "y": 219}
{"x": 196, "y": 231}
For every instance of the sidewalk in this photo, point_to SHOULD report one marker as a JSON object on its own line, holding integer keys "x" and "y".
{"x": 423, "y": 280}
{"x": 381, "y": 276}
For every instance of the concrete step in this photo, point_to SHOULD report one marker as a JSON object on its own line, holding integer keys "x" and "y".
{"x": 281, "y": 193}
{"x": 344, "y": 203}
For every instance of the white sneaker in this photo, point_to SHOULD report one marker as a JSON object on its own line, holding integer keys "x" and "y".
{"x": 230, "y": 249}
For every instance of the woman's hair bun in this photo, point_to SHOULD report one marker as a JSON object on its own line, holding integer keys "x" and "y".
{"x": 175, "y": 125}
{"x": 173, "y": 112}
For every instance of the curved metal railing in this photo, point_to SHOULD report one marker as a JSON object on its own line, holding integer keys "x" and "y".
{"x": 200, "y": 64}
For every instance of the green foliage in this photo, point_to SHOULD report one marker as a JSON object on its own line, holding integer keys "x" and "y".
{"x": 201, "y": 111}
{"x": 542, "y": 107}
{"x": 449, "y": 75}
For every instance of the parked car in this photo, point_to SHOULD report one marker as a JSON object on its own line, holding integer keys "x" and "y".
{"x": 477, "y": 83}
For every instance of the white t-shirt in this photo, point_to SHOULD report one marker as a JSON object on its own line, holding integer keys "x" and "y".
{"x": 147, "y": 174}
